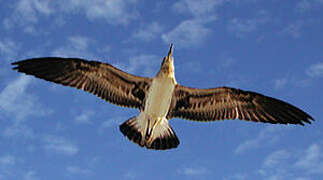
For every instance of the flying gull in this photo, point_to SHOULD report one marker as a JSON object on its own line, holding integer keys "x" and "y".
{"x": 160, "y": 98}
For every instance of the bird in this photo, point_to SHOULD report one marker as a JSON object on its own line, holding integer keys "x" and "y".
{"x": 160, "y": 98}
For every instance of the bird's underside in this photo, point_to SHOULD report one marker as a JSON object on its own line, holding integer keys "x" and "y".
{"x": 151, "y": 129}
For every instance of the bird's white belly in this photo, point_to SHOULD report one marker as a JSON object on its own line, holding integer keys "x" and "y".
{"x": 159, "y": 98}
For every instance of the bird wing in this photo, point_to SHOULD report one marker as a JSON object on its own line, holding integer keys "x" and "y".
{"x": 101, "y": 79}
{"x": 229, "y": 103}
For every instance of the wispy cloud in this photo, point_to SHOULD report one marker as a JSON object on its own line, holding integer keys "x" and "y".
{"x": 30, "y": 175}
{"x": 287, "y": 164}
{"x": 27, "y": 13}
{"x": 190, "y": 171}
{"x": 60, "y": 145}
{"x": 111, "y": 122}
{"x": 145, "y": 64}
{"x": 301, "y": 164}
{"x": 315, "y": 70}
{"x": 241, "y": 27}
{"x": 30, "y": 12}
{"x": 113, "y": 11}
{"x": 7, "y": 160}
{"x": 188, "y": 33}
{"x": 193, "y": 31}
{"x": 76, "y": 46}
{"x": 75, "y": 170}
{"x": 276, "y": 158}
{"x": 226, "y": 61}
{"x": 280, "y": 83}
{"x": 303, "y": 6}
{"x": 197, "y": 9}
{"x": 85, "y": 117}
{"x": 238, "y": 176}
{"x": 294, "y": 29}
{"x": 307, "y": 5}
{"x": 302, "y": 178}
{"x": 17, "y": 102}
{"x": 312, "y": 160}
{"x": 18, "y": 129}
{"x": 148, "y": 32}
{"x": 8, "y": 48}
{"x": 130, "y": 175}
{"x": 269, "y": 134}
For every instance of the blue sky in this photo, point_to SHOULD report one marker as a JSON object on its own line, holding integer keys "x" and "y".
{"x": 51, "y": 132}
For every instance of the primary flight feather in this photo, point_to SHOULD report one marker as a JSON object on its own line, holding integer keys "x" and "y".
{"x": 160, "y": 98}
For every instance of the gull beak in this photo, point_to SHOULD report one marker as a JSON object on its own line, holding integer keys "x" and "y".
{"x": 170, "y": 52}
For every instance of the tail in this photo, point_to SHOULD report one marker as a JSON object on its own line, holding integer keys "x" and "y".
{"x": 158, "y": 136}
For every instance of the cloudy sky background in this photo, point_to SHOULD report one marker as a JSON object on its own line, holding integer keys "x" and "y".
{"x": 51, "y": 132}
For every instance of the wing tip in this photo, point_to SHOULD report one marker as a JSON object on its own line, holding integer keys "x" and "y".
{"x": 308, "y": 119}
{"x": 15, "y": 65}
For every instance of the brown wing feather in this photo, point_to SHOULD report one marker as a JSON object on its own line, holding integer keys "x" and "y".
{"x": 101, "y": 79}
{"x": 229, "y": 103}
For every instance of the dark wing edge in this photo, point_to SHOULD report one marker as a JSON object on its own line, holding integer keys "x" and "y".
{"x": 230, "y": 103}
{"x": 100, "y": 79}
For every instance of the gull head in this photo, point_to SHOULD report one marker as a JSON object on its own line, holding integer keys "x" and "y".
{"x": 167, "y": 67}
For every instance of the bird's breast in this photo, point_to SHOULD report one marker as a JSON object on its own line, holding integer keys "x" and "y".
{"x": 160, "y": 96}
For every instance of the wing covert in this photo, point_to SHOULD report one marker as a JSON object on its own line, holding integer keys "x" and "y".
{"x": 229, "y": 103}
{"x": 100, "y": 79}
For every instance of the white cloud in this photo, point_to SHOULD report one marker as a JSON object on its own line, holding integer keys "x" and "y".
{"x": 30, "y": 10}
{"x": 8, "y": 48}
{"x": 114, "y": 11}
{"x": 148, "y": 32}
{"x": 29, "y": 13}
{"x": 303, "y": 6}
{"x": 193, "y": 31}
{"x": 130, "y": 175}
{"x": 238, "y": 176}
{"x": 193, "y": 66}
{"x": 60, "y": 145}
{"x": 226, "y": 61}
{"x": 299, "y": 164}
{"x": 145, "y": 64}
{"x": 200, "y": 8}
{"x": 240, "y": 27}
{"x": 276, "y": 158}
{"x": 188, "y": 33}
{"x": 269, "y": 134}
{"x": 302, "y": 178}
{"x": 315, "y": 70}
{"x": 294, "y": 29}
{"x": 18, "y": 129}
{"x": 312, "y": 160}
{"x": 7, "y": 160}
{"x": 280, "y": 83}
{"x": 111, "y": 122}
{"x": 85, "y": 117}
{"x": 284, "y": 164}
{"x": 76, "y": 46}
{"x": 16, "y": 102}
{"x": 308, "y": 5}
{"x": 30, "y": 175}
{"x": 75, "y": 170}
{"x": 197, "y": 171}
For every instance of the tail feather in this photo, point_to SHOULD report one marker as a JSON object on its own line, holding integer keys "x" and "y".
{"x": 130, "y": 129}
{"x": 168, "y": 141}
{"x": 161, "y": 137}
